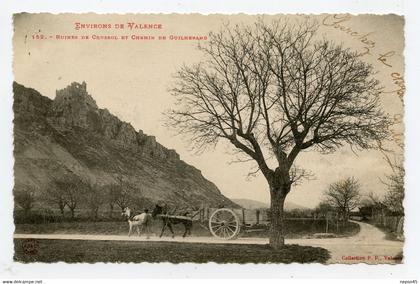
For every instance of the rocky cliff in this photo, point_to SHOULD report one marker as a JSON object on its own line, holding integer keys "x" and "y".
{"x": 70, "y": 133}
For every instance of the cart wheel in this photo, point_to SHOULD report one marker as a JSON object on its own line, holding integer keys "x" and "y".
{"x": 224, "y": 224}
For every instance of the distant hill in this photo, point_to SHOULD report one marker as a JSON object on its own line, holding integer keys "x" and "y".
{"x": 70, "y": 134}
{"x": 253, "y": 204}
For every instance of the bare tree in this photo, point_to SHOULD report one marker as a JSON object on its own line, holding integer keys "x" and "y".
{"x": 121, "y": 193}
{"x": 94, "y": 198}
{"x": 112, "y": 194}
{"x": 392, "y": 200}
{"x": 124, "y": 197}
{"x": 395, "y": 194}
{"x": 24, "y": 197}
{"x": 69, "y": 190}
{"x": 75, "y": 193}
{"x": 55, "y": 194}
{"x": 272, "y": 91}
{"x": 343, "y": 195}
{"x": 373, "y": 200}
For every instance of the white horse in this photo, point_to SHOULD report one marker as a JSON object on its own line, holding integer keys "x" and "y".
{"x": 140, "y": 220}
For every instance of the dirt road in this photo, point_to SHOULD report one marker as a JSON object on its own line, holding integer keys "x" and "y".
{"x": 369, "y": 245}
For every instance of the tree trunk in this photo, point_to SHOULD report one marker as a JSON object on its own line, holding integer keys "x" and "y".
{"x": 111, "y": 209}
{"x": 72, "y": 212}
{"x": 95, "y": 213}
{"x": 277, "y": 218}
{"x": 280, "y": 184}
{"x": 26, "y": 211}
{"x": 345, "y": 216}
{"x": 61, "y": 206}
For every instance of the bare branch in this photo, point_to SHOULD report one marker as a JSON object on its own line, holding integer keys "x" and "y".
{"x": 275, "y": 89}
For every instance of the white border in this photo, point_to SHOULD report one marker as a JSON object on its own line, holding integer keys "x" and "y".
{"x": 407, "y": 271}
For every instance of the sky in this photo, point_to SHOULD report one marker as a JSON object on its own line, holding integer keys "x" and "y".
{"x": 131, "y": 79}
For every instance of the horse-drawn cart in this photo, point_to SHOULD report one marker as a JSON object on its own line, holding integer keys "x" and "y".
{"x": 223, "y": 223}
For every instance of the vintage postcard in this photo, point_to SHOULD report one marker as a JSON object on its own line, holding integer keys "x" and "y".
{"x": 208, "y": 138}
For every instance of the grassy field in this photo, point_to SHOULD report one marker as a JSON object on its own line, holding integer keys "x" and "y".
{"x": 119, "y": 251}
{"x": 293, "y": 228}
